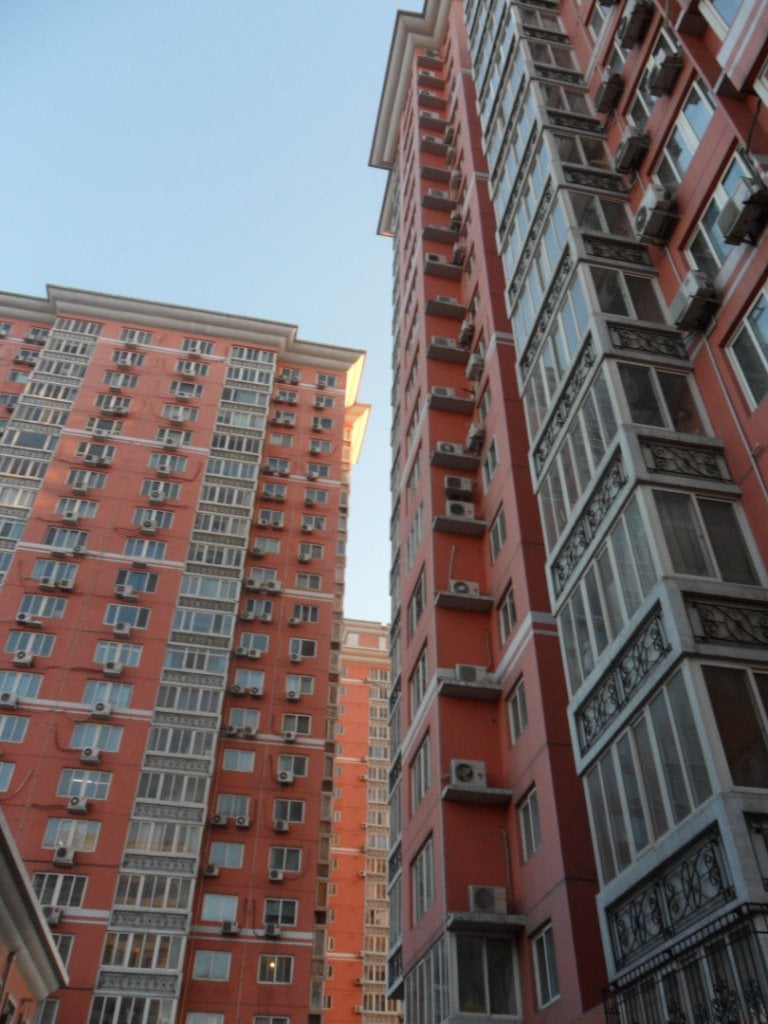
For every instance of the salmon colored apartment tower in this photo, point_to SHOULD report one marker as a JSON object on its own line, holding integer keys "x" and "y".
{"x": 492, "y": 876}
{"x": 625, "y": 154}
{"x": 358, "y": 925}
{"x": 174, "y": 488}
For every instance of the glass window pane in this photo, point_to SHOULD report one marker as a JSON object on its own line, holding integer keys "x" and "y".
{"x": 469, "y": 953}
{"x": 650, "y": 778}
{"x": 632, "y": 793}
{"x": 501, "y": 977}
{"x": 670, "y": 758}
{"x": 641, "y": 396}
{"x": 727, "y": 540}
{"x": 681, "y": 532}
{"x": 740, "y": 732}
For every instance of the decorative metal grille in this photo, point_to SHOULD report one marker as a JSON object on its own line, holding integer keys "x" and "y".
{"x": 683, "y": 890}
{"x": 728, "y": 622}
{"x": 637, "y": 659}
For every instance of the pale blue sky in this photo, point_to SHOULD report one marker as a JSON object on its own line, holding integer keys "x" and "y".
{"x": 213, "y": 155}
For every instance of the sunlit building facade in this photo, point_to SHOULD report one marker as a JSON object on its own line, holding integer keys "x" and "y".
{"x": 492, "y": 879}
{"x": 358, "y": 916}
{"x": 174, "y": 489}
{"x": 626, "y": 153}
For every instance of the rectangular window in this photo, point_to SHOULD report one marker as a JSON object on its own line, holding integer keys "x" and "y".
{"x": 498, "y": 534}
{"x": 77, "y": 835}
{"x": 507, "y": 615}
{"x": 238, "y": 760}
{"x": 687, "y": 133}
{"x": 418, "y": 682}
{"x": 218, "y": 907}
{"x": 13, "y": 728}
{"x": 739, "y": 700}
{"x": 547, "y": 984}
{"x": 530, "y": 828}
{"x": 291, "y": 811}
{"x": 421, "y": 773}
{"x": 211, "y": 965}
{"x": 226, "y": 855}
{"x": 749, "y": 351}
{"x": 96, "y": 736}
{"x": 54, "y": 889}
{"x": 275, "y": 970}
{"x": 423, "y": 880}
{"x": 280, "y": 911}
{"x": 285, "y": 858}
{"x": 487, "y": 981}
{"x": 704, "y": 537}
{"x": 518, "y": 712}
{"x": 417, "y": 602}
{"x": 91, "y": 785}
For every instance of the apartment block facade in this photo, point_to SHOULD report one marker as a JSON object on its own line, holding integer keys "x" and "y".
{"x": 174, "y": 488}
{"x": 625, "y": 155}
{"x": 492, "y": 878}
{"x": 358, "y": 925}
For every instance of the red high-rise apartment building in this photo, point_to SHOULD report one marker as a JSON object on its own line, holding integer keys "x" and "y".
{"x": 492, "y": 877}
{"x": 174, "y": 486}
{"x": 358, "y": 925}
{"x": 624, "y": 150}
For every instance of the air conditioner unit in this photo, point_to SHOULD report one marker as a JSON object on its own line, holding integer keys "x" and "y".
{"x": 631, "y": 150}
{"x": 125, "y": 591}
{"x": 255, "y": 691}
{"x": 293, "y": 621}
{"x": 457, "y": 255}
{"x": 468, "y": 773}
{"x": 289, "y": 736}
{"x": 438, "y": 341}
{"x": 47, "y": 583}
{"x": 308, "y": 503}
{"x": 231, "y": 730}
{"x": 247, "y": 616}
{"x": 171, "y": 444}
{"x": 275, "y": 875}
{"x": 121, "y": 629}
{"x": 80, "y": 489}
{"x": 359, "y": 982}
{"x": 272, "y": 586}
{"x": 229, "y": 928}
{"x": 307, "y": 527}
{"x": 90, "y": 755}
{"x": 464, "y": 588}
{"x": 257, "y": 551}
{"x": 69, "y": 517}
{"x": 608, "y": 92}
{"x": 295, "y": 659}
{"x": 218, "y": 820}
{"x": 77, "y": 805}
{"x": 458, "y": 485}
{"x": 455, "y": 180}
{"x": 438, "y": 193}
{"x": 634, "y": 24}
{"x": 744, "y": 215}
{"x": 9, "y": 700}
{"x": 695, "y": 302}
{"x": 460, "y": 509}
{"x": 112, "y": 668}
{"x": 305, "y": 558}
{"x": 487, "y": 899}
{"x": 474, "y": 367}
{"x": 666, "y": 66}
{"x": 101, "y": 709}
{"x": 211, "y": 871}
{"x": 470, "y": 673}
{"x": 441, "y": 392}
{"x": 25, "y": 619}
{"x": 450, "y": 448}
{"x": 242, "y": 821}
{"x": 252, "y": 584}
{"x": 23, "y": 658}
{"x": 253, "y": 653}
{"x": 63, "y": 856}
{"x": 148, "y": 526}
{"x": 281, "y": 825}
{"x": 292, "y": 695}
{"x": 52, "y": 915}
{"x": 163, "y": 469}
{"x": 285, "y": 777}
{"x": 448, "y": 135}
{"x": 65, "y": 584}
{"x": 433, "y": 257}
{"x": 156, "y": 496}
{"x": 249, "y": 732}
{"x": 272, "y": 931}
{"x": 656, "y": 215}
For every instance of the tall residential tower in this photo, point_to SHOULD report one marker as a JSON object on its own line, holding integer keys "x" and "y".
{"x": 174, "y": 486}
{"x": 624, "y": 151}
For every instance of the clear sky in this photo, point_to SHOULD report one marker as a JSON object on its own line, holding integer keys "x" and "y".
{"x": 212, "y": 155}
